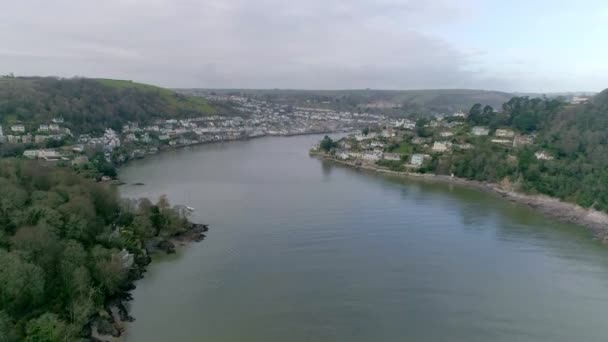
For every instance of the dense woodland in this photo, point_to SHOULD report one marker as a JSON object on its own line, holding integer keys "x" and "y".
{"x": 577, "y": 136}
{"x": 91, "y": 105}
{"x": 69, "y": 245}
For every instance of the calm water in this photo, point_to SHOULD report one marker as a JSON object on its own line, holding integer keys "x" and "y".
{"x": 303, "y": 250}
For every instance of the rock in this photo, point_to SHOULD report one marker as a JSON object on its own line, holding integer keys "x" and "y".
{"x": 166, "y": 246}
{"x": 105, "y": 327}
{"x": 123, "y": 313}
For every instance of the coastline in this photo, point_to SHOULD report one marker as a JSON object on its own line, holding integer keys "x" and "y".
{"x": 592, "y": 219}
{"x": 110, "y": 324}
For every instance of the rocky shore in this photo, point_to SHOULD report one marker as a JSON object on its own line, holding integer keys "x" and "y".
{"x": 108, "y": 325}
{"x": 594, "y": 220}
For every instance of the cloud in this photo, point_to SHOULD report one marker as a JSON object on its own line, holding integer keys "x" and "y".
{"x": 242, "y": 43}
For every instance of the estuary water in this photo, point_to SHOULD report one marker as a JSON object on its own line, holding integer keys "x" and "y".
{"x": 301, "y": 249}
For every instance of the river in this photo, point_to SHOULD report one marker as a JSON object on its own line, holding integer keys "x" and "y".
{"x": 301, "y": 249}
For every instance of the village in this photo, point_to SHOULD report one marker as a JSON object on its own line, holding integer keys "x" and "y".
{"x": 53, "y": 141}
{"x": 409, "y": 145}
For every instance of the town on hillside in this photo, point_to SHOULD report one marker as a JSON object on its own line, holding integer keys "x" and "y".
{"x": 53, "y": 141}
{"x": 419, "y": 146}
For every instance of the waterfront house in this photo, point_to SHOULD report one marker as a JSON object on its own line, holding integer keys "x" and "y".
{"x": 392, "y": 156}
{"x": 480, "y": 131}
{"x": 342, "y": 154}
{"x": 371, "y": 156}
{"x": 43, "y": 128}
{"x": 418, "y": 159}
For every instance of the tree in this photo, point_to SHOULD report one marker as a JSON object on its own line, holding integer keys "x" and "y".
{"x": 47, "y": 328}
{"x": 365, "y": 131}
{"x": 8, "y": 331}
{"x": 327, "y": 144}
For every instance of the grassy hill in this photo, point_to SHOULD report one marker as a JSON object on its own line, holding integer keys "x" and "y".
{"x": 92, "y": 104}
{"x": 392, "y": 102}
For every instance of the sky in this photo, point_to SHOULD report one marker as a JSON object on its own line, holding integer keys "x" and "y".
{"x": 516, "y": 45}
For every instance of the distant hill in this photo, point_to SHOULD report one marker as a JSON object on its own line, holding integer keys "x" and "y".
{"x": 89, "y": 105}
{"x": 391, "y": 102}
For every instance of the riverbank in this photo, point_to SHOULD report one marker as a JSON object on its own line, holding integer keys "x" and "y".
{"x": 244, "y": 138}
{"x": 110, "y": 324}
{"x": 594, "y": 220}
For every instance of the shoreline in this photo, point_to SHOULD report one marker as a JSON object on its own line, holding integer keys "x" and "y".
{"x": 110, "y": 324}
{"x": 200, "y": 143}
{"x": 592, "y": 219}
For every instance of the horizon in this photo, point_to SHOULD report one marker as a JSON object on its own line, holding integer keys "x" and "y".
{"x": 268, "y": 44}
{"x": 568, "y": 92}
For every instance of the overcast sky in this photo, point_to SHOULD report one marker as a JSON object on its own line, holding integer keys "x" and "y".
{"x": 515, "y": 45}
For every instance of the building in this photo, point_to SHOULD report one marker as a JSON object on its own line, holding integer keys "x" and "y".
{"x": 54, "y": 127}
{"x": 80, "y": 160}
{"x": 392, "y": 156}
{"x": 504, "y": 133}
{"x": 502, "y": 141}
{"x": 446, "y": 134}
{"x": 18, "y": 128}
{"x": 343, "y": 155}
{"x": 26, "y": 139}
{"x": 43, "y": 128}
{"x": 480, "y": 131}
{"x": 543, "y": 155}
{"x": 418, "y": 159}
{"x": 460, "y": 114}
{"x": 523, "y": 140}
{"x": 580, "y": 99}
{"x": 441, "y": 146}
{"x": 371, "y": 156}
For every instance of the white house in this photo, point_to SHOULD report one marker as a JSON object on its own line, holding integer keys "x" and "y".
{"x": 523, "y": 140}
{"x": 441, "y": 146}
{"x": 376, "y": 143}
{"x": 543, "y": 155}
{"x": 392, "y": 156}
{"x": 446, "y": 134}
{"x": 580, "y": 99}
{"x": 504, "y": 133}
{"x": 418, "y": 159}
{"x": 502, "y": 141}
{"x": 371, "y": 156}
{"x": 480, "y": 131}
{"x": 343, "y": 155}
{"x": 460, "y": 114}
{"x": 43, "y": 128}
{"x": 18, "y": 128}
{"x": 54, "y": 127}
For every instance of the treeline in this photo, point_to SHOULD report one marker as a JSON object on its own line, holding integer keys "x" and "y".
{"x": 91, "y": 105}
{"x": 576, "y": 136}
{"x": 69, "y": 245}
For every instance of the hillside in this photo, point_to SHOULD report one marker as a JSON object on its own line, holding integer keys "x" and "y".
{"x": 534, "y": 145}
{"x": 89, "y": 105}
{"x": 391, "y": 102}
